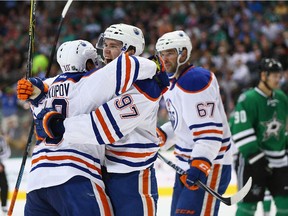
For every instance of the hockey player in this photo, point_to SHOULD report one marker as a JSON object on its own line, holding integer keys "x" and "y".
{"x": 258, "y": 125}
{"x": 112, "y": 121}
{"x": 129, "y": 161}
{"x": 71, "y": 173}
{"x": 199, "y": 122}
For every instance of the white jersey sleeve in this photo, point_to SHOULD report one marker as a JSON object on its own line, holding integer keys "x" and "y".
{"x": 111, "y": 121}
{"x": 115, "y": 78}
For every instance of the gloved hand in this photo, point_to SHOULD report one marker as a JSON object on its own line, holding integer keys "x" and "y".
{"x": 159, "y": 63}
{"x": 258, "y": 161}
{"x": 161, "y": 135}
{"x": 160, "y": 76}
{"x": 49, "y": 123}
{"x": 32, "y": 90}
{"x": 199, "y": 170}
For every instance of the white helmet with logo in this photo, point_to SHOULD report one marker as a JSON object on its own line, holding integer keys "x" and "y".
{"x": 175, "y": 40}
{"x": 73, "y": 55}
{"x": 129, "y": 35}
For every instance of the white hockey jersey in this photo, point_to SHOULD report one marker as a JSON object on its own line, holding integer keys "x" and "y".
{"x": 198, "y": 118}
{"x": 73, "y": 94}
{"x": 131, "y": 119}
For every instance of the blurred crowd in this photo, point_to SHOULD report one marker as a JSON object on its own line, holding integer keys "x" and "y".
{"x": 228, "y": 37}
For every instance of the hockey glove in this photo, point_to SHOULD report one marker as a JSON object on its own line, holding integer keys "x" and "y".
{"x": 161, "y": 76}
{"x": 161, "y": 135}
{"x": 32, "y": 90}
{"x": 199, "y": 170}
{"x": 259, "y": 161}
{"x": 49, "y": 123}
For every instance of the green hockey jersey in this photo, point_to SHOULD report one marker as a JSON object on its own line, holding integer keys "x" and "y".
{"x": 259, "y": 123}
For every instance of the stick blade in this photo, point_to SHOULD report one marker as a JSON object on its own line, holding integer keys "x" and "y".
{"x": 241, "y": 193}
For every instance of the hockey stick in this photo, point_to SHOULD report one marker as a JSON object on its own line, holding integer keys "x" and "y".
{"x": 32, "y": 23}
{"x": 29, "y": 140}
{"x": 31, "y": 47}
{"x": 226, "y": 200}
{"x": 57, "y": 36}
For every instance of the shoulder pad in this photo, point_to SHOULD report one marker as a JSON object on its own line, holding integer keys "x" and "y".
{"x": 195, "y": 80}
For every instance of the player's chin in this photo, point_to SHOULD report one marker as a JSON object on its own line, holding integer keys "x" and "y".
{"x": 108, "y": 61}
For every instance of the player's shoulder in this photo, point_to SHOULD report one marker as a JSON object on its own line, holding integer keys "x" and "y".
{"x": 195, "y": 79}
{"x": 281, "y": 94}
{"x": 247, "y": 96}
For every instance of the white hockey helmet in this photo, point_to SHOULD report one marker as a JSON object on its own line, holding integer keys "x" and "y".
{"x": 175, "y": 40}
{"x": 73, "y": 55}
{"x": 129, "y": 35}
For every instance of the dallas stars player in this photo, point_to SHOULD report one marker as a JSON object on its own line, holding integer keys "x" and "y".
{"x": 258, "y": 126}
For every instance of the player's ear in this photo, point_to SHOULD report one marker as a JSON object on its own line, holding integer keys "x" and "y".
{"x": 90, "y": 65}
{"x": 183, "y": 55}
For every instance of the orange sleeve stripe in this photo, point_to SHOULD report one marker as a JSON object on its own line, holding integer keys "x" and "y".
{"x": 128, "y": 72}
{"x": 66, "y": 157}
{"x": 132, "y": 154}
{"x": 104, "y": 126}
{"x": 197, "y": 133}
{"x": 223, "y": 148}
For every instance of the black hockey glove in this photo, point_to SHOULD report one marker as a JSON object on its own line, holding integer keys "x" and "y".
{"x": 161, "y": 76}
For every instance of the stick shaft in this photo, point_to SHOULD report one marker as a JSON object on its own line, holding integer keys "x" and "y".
{"x": 28, "y": 74}
{"x": 226, "y": 200}
{"x": 31, "y": 48}
{"x": 21, "y": 171}
{"x": 57, "y": 37}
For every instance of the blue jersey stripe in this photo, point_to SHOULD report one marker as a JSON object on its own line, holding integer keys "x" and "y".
{"x": 69, "y": 151}
{"x": 136, "y": 145}
{"x": 130, "y": 163}
{"x": 112, "y": 120}
{"x": 118, "y": 75}
{"x": 67, "y": 165}
{"x": 182, "y": 149}
{"x": 136, "y": 68}
{"x": 205, "y": 125}
{"x": 96, "y": 131}
{"x": 208, "y": 138}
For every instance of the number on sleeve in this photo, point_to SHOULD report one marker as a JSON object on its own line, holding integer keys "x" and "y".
{"x": 240, "y": 117}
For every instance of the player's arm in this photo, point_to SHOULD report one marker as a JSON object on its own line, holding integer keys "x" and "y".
{"x": 105, "y": 125}
{"x": 115, "y": 78}
{"x": 243, "y": 132}
{"x": 33, "y": 89}
{"x": 167, "y": 136}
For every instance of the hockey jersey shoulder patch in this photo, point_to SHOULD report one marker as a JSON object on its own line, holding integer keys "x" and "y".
{"x": 195, "y": 80}
{"x": 149, "y": 88}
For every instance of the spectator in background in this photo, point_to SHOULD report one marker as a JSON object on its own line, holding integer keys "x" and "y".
{"x": 9, "y": 104}
{"x": 5, "y": 153}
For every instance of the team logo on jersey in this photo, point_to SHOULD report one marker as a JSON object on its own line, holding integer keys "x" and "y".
{"x": 272, "y": 128}
{"x": 172, "y": 113}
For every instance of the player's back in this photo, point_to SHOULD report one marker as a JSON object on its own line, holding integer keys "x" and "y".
{"x": 77, "y": 93}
